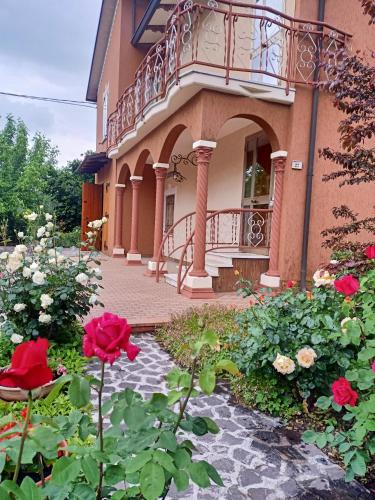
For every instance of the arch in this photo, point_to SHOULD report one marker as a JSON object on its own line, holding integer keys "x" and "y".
{"x": 124, "y": 174}
{"x": 170, "y": 142}
{"x": 143, "y": 159}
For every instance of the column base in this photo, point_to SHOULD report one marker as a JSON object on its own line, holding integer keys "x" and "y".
{"x": 118, "y": 252}
{"x": 270, "y": 281}
{"x": 198, "y": 288}
{"x": 134, "y": 259}
{"x": 151, "y": 269}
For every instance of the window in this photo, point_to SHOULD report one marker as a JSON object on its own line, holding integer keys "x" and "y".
{"x": 169, "y": 211}
{"x": 105, "y": 112}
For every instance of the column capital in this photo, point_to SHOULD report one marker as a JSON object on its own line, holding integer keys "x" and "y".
{"x": 120, "y": 186}
{"x": 136, "y": 178}
{"x": 279, "y": 154}
{"x": 160, "y": 165}
{"x": 204, "y": 144}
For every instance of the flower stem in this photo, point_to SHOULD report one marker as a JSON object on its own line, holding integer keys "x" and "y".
{"x": 100, "y": 433}
{"x": 23, "y": 437}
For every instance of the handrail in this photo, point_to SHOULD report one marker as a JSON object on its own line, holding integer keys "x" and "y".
{"x": 190, "y": 239}
{"x": 281, "y": 47}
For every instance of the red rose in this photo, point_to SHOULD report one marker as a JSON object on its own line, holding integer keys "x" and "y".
{"x": 290, "y": 283}
{"x": 348, "y": 285}
{"x": 29, "y": 366}
{"x": 106, "y": 337}
{"x": 343, "y": 394}
{"x": 370, "y": 252}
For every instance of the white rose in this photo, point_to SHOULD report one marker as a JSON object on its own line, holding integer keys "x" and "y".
{"x": 16, "y": 339}
{"x": 31, "y": 217}
{"x": 60, "y": 259}
{"x": 20, "y": 234}
{"x": 306, "y": 357}
{"x": 284, "y": 365}
{"x": 43, "y": 242}
{"x": 44, "y": 318}
{"x": 4, "y": 255}
{"x": 48, "y": 217}
{"x": 38, "y": 249}
{"x": 97, "y": 271}
{"x": 52, "y": 261}
{"x": 46, "y": 300}
{"x": 40, "y": 232}
{"x": 26, "y": 272}
{"x": 49, "y": 226}
{"x": 38, "y": 278}
{"x": 41, "y": 207}
{"x": 97, "y": 224}
{"x": 104, "y": 220}
{"x": 34, "y": 266}
{"x": 82, "y": 278}
{"x": 93, "y": 299}
{"x": 14, "y": 262}
{"x": 19, "y": 307}
{"x": 20, "y": 248}
{"x": 334, "y": 262}
{"x": 47, "y": 234}
{"x": 344, "y": 321}
{"x": 322, "y": 278}
{"x": 90, "y": 234}
{"x": 89, "y": 224}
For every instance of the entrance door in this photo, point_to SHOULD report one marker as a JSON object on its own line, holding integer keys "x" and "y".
{"x": 256, "y": 194}
{"x": 92, "y": 207}
{"x": 106, "y": 193}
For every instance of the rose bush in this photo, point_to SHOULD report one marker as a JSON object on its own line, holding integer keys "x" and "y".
{"x": 43, "y": 291}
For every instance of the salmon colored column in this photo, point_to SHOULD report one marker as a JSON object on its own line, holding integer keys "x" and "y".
{"x": 118, "y": 250}
{"x": 198, "y": 284}
{"x": 272, "y": 276}
{"x": 134, "y": 257}
{"x": 161, "y": 174}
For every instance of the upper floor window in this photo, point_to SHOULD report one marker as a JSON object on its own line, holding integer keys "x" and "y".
{"x": 105, "y": 112}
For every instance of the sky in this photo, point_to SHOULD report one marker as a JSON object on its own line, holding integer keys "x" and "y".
{"x": 46, "y": 48}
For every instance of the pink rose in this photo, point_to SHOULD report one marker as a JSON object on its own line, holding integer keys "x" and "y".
{"x": 106, "y": 337}
{"x": 343, "y": 394}
{"x": 348, "y": 285}
{"x": 373, "y": 366}
{"x": 370, "y": 252}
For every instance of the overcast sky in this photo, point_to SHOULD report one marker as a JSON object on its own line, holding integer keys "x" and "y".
{"x": 45, "y": 50}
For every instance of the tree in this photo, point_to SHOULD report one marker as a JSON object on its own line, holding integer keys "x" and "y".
{"x": 352, "y": 81}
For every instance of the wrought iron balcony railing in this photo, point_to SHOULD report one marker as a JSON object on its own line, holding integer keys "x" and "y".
{"x": 230, "y": 39}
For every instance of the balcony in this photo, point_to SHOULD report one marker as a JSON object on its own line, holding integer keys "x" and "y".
{"x": 229, "y": 46}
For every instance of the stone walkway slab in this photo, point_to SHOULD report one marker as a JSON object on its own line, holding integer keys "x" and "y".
{"x": 253, "y": 453}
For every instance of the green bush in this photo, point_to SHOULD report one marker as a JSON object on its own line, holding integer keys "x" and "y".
{"x": 70, "y": 239}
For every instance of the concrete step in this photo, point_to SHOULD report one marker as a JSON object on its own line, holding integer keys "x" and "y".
{"x": 171, "y": 279}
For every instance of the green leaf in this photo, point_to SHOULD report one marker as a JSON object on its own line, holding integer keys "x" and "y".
{"x": 3, "y": 457}
{"x": 213, "y": 474}
{"x": 114, "y": 474}
{"x": 207, "y": 380}
{"x": 344, "y": 447}
{"x": 152, "y": 481}
{"x": 79, "y": 391}
{"x": 30, "y": 490}
{"x": 211, "y": 425}
{"x": 321, "y": 440}
{"x": 227, "y": 365}
{"x": 309, "y": 436}
{"x": 134, "y": 417}
{"x": 82, "y": 492}
{"x": 200, "y": 427}
{"x": 181, "y": 480}
{"x": 323, "y": 402}
{"x": 137, "y": 462}
{"x": 66, "y": 470}
{"x": 165, "y": 460}
{"x": 199, "y": 474}
{"x": 159, "y": 401}
{"x": 182, "y": 458}
{"x": 168, "y": 441}
{"x": 90, "y": 470}
{"x": 358, "y": 465}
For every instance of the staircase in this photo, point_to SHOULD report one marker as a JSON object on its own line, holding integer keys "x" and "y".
{"x": 220, "y": 265}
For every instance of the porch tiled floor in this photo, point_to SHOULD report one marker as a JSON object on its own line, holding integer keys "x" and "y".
{"x": 144, "y": 302}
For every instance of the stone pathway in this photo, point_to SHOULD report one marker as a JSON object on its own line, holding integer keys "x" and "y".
{"x": 256, "y": 458}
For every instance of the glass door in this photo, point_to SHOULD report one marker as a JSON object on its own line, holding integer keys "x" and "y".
{"x": 256, "y": 193}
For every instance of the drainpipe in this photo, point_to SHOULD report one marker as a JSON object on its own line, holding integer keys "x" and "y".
{"x": 310, "y": 162}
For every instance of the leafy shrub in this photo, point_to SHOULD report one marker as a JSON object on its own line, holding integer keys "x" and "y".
{"x": 70, "y": 239}
{"x": 285, "y": 324}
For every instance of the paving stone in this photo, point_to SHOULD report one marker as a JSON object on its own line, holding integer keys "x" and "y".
{"x": 256, "y": 457}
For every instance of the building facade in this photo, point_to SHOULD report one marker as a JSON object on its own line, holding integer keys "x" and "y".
{"x": 208, "y": 131}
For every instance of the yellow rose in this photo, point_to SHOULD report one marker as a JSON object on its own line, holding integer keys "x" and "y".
{"x": 284, "y": 365}
{"x": 306, "y": 357}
